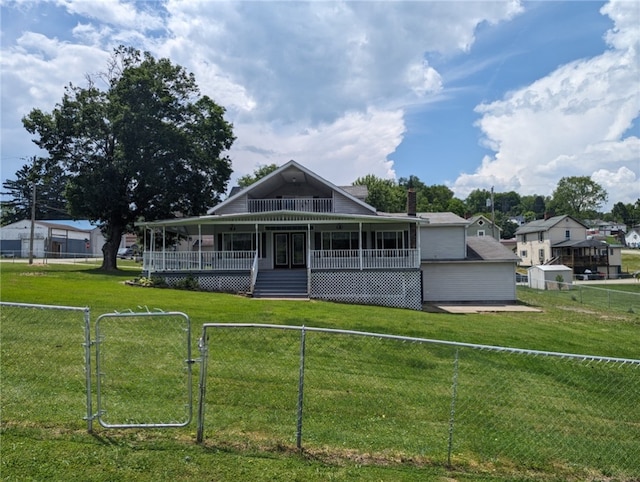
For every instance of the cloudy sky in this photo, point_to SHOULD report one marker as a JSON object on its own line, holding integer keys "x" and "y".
{"x": 470, "y": 94}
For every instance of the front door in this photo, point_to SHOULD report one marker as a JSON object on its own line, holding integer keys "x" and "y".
{"x": 290, "y": 250}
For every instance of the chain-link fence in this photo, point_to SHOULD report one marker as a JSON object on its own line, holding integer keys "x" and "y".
{"x": 336, "y": 394}
{"x": 592, "y": 296}
{"x": 393, "y": 398}
{"x": 45, "y": 364}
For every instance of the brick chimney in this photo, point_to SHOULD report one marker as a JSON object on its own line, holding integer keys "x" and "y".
{"x": 412, "y": 203}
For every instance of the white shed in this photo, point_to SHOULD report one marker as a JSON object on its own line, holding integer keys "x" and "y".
{"x": 549, "y": 276}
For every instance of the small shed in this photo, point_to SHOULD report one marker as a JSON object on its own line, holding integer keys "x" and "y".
{"x": 549, "y": 276}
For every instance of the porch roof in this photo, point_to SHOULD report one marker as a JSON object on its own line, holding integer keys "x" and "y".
{"x": 585, "y": 243}
{"x": 190, "y": 225}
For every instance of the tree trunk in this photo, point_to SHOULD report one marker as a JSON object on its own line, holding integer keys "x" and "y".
{"x": 113, "y": 235}
{"x": 109, "y": 257}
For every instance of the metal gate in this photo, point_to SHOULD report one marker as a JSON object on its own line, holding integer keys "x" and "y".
{"x": 143, "y": 364}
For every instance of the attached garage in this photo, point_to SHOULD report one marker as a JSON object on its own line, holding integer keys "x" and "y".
{"x": 487, "y": 274}
{"x": 469, "y": 281}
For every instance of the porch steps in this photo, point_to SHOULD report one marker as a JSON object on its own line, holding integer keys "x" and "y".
{"x": 286, "y": 283}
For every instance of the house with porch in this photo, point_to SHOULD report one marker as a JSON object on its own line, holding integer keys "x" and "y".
{"x": 293, "y": 233}
{"x": 564, "y": 240}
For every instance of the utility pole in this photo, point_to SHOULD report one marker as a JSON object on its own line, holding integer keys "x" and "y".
{"x": 493, "y": 216}
{"x": 33, "y": 220}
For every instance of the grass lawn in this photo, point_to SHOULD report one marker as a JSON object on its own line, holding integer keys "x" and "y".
{"x": 44, "y": 436}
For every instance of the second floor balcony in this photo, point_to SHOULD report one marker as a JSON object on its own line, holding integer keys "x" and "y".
{"x": 309, "y": 205}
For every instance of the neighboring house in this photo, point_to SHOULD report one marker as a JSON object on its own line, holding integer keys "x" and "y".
{"x": 606, "y": 228}
{"x": 292, "y": 233}
{"x": 564, "y": 240}
{"x": 54, "y": 239}
{"x": 632, "y": 238}
{"x": 482, "y": 226}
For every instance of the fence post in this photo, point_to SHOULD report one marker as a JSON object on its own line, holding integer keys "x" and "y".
{"x": 301, "y": 389}
{"x": 204, "y": 349}
{"x": 454, "y": 391}
{"x": 87, "y": 367}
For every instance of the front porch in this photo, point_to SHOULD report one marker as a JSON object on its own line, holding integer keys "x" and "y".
{"x": 384, "y": 277}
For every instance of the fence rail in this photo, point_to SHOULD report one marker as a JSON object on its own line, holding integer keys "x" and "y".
{"x": 445, "y": 402}
{"x": 596, "y": 297}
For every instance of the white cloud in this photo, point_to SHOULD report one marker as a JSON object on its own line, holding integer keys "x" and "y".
{"x": 341, "y": 151}
{"x": 121, "y": 14}
{"x": 571, "y": 122}
{"x": 324, "y": 83}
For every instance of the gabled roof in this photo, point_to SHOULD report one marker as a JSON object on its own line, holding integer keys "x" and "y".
{"x": 63, "y": 225}
{"x": 478, "y": 217}
{"x": 289, "y": 172}
{"x": 545, "y": 224}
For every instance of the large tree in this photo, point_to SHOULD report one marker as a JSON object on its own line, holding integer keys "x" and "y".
{"x": 384, "y": 194}
{"x": 578, "y": 196}
{"x": 49, "y": 188}
{"x": 148, "y": 146}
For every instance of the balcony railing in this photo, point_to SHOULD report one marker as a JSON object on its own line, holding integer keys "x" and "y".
{"x": 365, "y": 259}
{"x": 309, "y": 205}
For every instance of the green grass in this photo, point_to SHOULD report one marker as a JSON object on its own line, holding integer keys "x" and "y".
{"x": 378, "y": 429}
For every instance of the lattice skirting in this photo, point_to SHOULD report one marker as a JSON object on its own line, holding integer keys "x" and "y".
{"x": 220, "y": 282}
{"x": 399, "y": 289}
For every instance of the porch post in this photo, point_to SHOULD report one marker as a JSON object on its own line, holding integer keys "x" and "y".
{"x": 308, "y": 248}
{"x": 360, "y": 244}
{"x": 418, "y": 244}
{"x": 153, "y": 243}
{"x": 258, "y": 240}
{"x": 199, "y": 247}
{"x": 164, "y": 248}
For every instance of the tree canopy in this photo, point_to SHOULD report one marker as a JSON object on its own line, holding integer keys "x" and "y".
{"x": 49, "y": 188}
{"x": 148, "y": 146}
{"x": 258, "y": 174}
{"x": 578, "y": 196}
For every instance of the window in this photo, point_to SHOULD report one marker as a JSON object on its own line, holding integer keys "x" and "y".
{"x": 567, "y": 234}
{"x": 541, "y": 255}
{"x": 242, "y": 242}
{"x": 541, "y": 236}
{"x": 390, "y": 239}
{"x": 523, "y": 253}
{"x": 480, "y": 232}
{"x": 337, "y": 240}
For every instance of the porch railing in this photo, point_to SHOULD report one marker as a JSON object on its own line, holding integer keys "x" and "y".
{"x": 310, "y": 205}
{"x": 194, "y": 261}
{"x": 246, "y": 260}
{"x": 365, "y": 259}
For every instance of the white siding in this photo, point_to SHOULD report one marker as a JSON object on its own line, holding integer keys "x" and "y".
{"x": 469, "y": 281}
{"x": 557, "y": 234}
{"x": 443, "y": 242}
{"x": 237, "y": 206}
{"x": 344, "y": 205}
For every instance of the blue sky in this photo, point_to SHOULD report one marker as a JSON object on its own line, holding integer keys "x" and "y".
{"x": 508, "y": 94}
